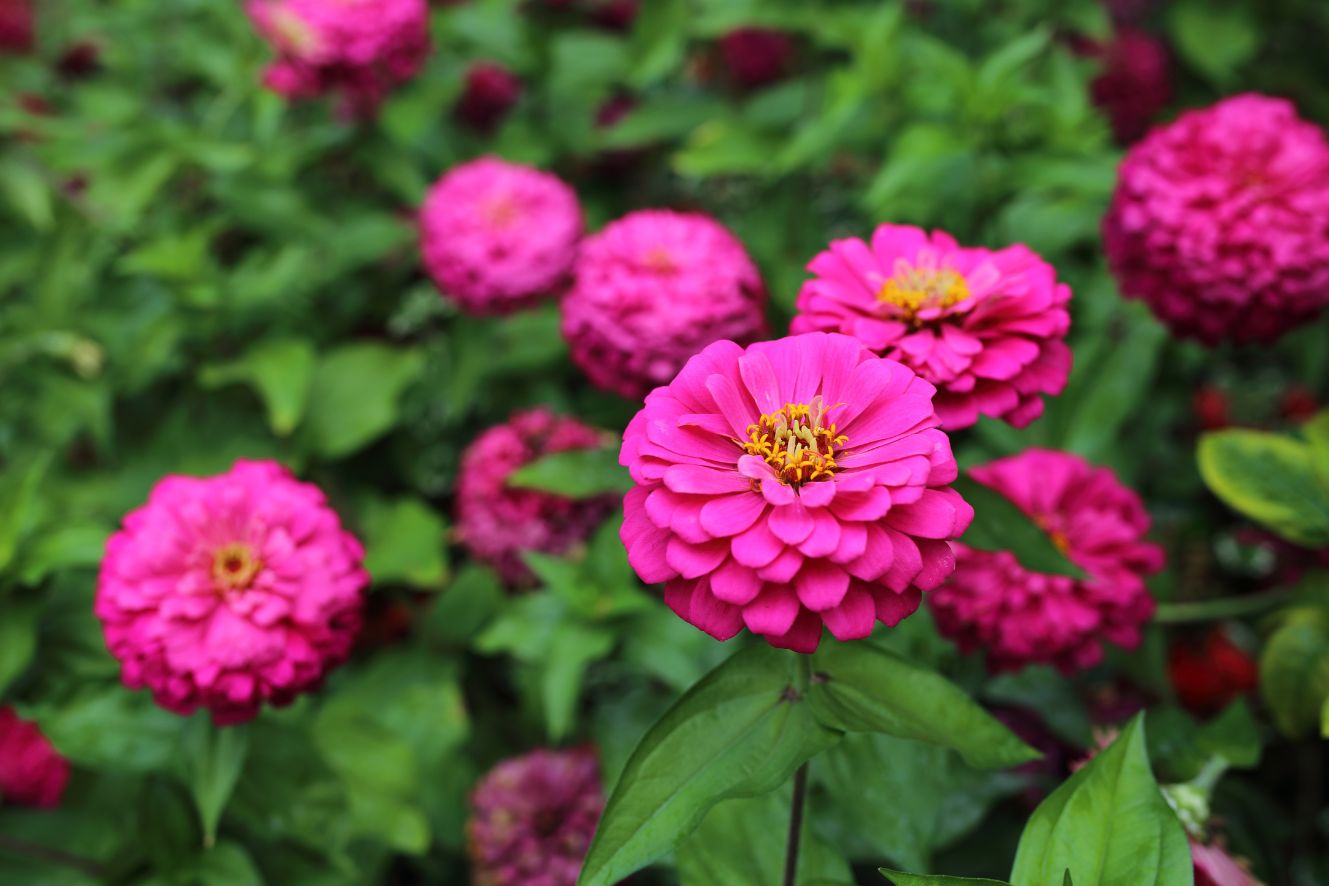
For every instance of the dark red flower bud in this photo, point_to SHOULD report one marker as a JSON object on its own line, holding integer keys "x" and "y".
{"x": 491, "y": 91}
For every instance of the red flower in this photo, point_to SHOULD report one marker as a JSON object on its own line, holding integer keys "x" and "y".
{"x": 491, "y": 91}
{"x": 1210, "y": 672}
{"x": 756, "y": 57}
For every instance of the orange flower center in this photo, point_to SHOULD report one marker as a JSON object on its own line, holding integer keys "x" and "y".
{"x": 913, "y": 289}
{"x": 797, "y": 441}
{"x": 234, "y": 567}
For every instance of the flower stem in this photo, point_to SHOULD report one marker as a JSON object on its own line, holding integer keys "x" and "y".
{"x": 795, "y": 826}
{"x": 1223, "y": 607}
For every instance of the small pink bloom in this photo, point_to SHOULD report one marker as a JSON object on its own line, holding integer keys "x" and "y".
{"x": 789, "y": 485}
{"x": 496, "y": 522}
{"x": 359, "y": 49}
{"x": 1220, "y": 221}
{"x": 1135, "y": 84}
{"x": 490, "y": 92}
{"x": 532, "y": 819}
{"x": 1215, "y": 867}
{"x": 756, "y": 57}
{"x": 1020, "y": 617}
{"x": 16, "y": 26}
{"x": 32, "y": 772}
{"x": 651, "y": 290}
{"x": 987, "y": 328}
{"x": 497, "y": 237}
{"x": 230, "y": 591}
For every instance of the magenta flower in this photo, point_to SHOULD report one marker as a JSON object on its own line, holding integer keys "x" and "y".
{"x": 756, "y": 57}
{"x": 225, "y": 592}
{"x": 1020, "y": 617}
{"x": 793, "y": 484}
{"x": 651, "y": 290}
{"x": 987, "y": 328}
{"x": 532, "y": 819}
{"x": 491, "y": 91}
{"x": 1220, "y": 221}
{"x": 358, "y": 49}
{"x": 32, "y": 772}
{"x": 1135, "y": 84}
{"x": 1215, "y": 867}
{"x": 497, "y": 237}
{"x": 16, "y": 26}
{"x": 496, "y": 522}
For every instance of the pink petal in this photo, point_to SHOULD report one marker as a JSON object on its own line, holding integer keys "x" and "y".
{"x": 803, "y": 637}
{"x": 704, "y": 481}
{"x": 854, "y": 618}
{"x": 791, "y": 523}
{"x": 735, "y": 583}
{"x": 891, "y": 608}
{"x": 825, "y": 535}
{"x": 821, "y": 585}
{"x": 773, "y": 612}
{"x": 783, "y": 568}
{"x": 693, "y": 561}
{"x": 731, "y": 514}
{"x": 757, "y": 546}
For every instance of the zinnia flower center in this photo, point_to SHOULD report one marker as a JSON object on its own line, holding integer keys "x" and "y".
{"x": 234, "y": 567}
{"x": 797, "y": 441}
{"x": 913, "y": 289}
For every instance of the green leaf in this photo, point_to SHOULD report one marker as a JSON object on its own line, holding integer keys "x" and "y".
{"x": 572, "y": 648}
{"x": 900, "y": 878}
{"x": 1215, "y": 39}
{"x": 1316, "y": 431}
{"x": 1108, "y": 824}
{"x": 1269, "y": 478}
{"x": 18, "y": 639}
{"x": 405, "y": 543}
{"x": 1051, "y": 695}
{"x": 226, "y": 864}
{"x": 280, "y": 370}
{"x": 18, "y": 494}
{"x": 354, "y": 396}
{"x": 1294, "y": 670}
{"x": 1001, "y": 526}
{"x": 575, "y": 473}
{"x": 75, "y": 546}
{"x": 213, "y": 758}
{"x": 857, "y": 687}
{"x": 460, "y": 613}
{"x": 28, "y": 193}
{"x": 112, "y": 728}
{"x": 740, "y": 732}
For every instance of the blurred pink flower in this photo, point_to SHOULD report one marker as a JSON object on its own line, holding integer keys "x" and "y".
{"x": 32, "y": 772}
{"x": 756, "y": 57}
{"x": 497, "y": 237}
{"x": 16, "y": 26}
{"x": 1135, "y": 84}
{"x": 230, "y": 591}
{"x": 794, "y": 484}
{"x": 532, "y": 819}
{"x": 1215, "y": 867}
{"x": 987, "y": 328}
{"x": 1220, "y": 221}
{"x": 651, "y": 290}
{"x": 359, "y": 49}
{"x": 1020, "y": 617}
{"x": 490, "y": 92}
{"x": 496, "y": 522}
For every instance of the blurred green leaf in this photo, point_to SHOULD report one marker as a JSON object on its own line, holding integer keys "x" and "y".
{"x": 1269, "y": 478}
{"x": 1294, "y": 670}
{"x": 18, "y": 495}
{"x": 405, "y": 543}
{"x": 213, "y": 758}
{"x": 900, "y": 878}
{"x": 18, "y": 639}
{"x": 1001, "y": 526}
{"x": 280, "y": 370}
{"x": 27, "y": 192}
{"x": 72, "y": 546}
{"x": 1215, "y": 38}
{"x": 111, "y": 727}
{"x": 575, "y": 473}
{"x": 355, "y": 395}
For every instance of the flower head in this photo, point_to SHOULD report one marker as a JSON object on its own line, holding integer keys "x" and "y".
{"x": 532, "y": 819}
{"x": 16, "y": 26}
{"x": 497, "y": 522}
{"x": 1020, "y": 617}
{"x": 651, "y": 290}
{"x": 987, "y": 328}
{"x": 1210, "y": 671}
{"x": 789, "y": 485}
{"x": 359, "y": 49}
{"x": 230, "y": 591}
{"x": 491, "y": 91}
{"x": 497, "y": 237}
{"x": 32, "y": 772}
{"x": 1220, "y": 221}
{"x": 756, "y": 57}
{"x": 1214, "y": 866}
{"x": 1135, "y": 84}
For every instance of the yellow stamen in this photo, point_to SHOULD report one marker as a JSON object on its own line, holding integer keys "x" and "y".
{"x": 797, "y": 441}
{"x": 234, "y": 566}
{"x": 913, "y": 289}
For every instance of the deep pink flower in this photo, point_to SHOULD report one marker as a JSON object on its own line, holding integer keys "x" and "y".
{"x": 1220, "y": 221}
{"x": 1020, "y": 617}
{"x": 497, "y": 237}
{"x": 16, "y": 26}
{"x": 1135, "y": 84}
{"x": 651, "y": 290}
{"x": 32, "y": 772}
{"x": 987, "y": 328}
{"x": 532, "y": 819}
{"x": 793, "y": 484}
{"x": 756, "y": 57}
{"x": 490, "y": 92}
{"x": 496, "y": 522}
{"x": 359, "y": 49}
{"x": 225, "y": 592}
{"x": 1215, "y": 867}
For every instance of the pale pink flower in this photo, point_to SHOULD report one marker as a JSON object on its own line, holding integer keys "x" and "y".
{"x": 1220, "y": 221}
{"x": 986, "y": 327}
{"x": 651, "y": 290}
{"x": 1215, "y": 867}
{"x": 1020, "y": 617}
{"x": 497, "y": 237}
{"x": 789, "y": 485}
{"x": 230, "y": 591}
{"x": 32, "y": 772}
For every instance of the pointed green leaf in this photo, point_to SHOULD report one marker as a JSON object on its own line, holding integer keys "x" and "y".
{"x": 1294, "y": 670}
{"x": 353, "y": 399}
{"x": 280, "y": 370}
{"x": 1001, "y": 526}
{"x": 575, "y": 473}
{"x": 1269, "y": 478}
{"x": 900, "y": 878}
{"x": 213, "y": 758}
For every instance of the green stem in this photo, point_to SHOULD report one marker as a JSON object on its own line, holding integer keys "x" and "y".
{"x": 1224, "y": 607}
{"x": 795, "y": 826}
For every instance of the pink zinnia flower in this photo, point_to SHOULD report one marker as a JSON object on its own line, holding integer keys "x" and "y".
{"x": 532, "y": 819}
{"x": 987, "y": 328}
{"x": 228, "y": 591}
{"x": 794, "y": 484}
{"x": 490, "y": 92}
{"x": 1136, "y": 82}
{"x": 1215, "y": 867}
{"x": 1020, "y": 617}
{"x": 497, "y": 237}
{"x": 496, "y": 522}
{"x": 359, "y": 49}
{"x": 32, "y": 772}
{"x": 651, "y": 290}
{"x": 16, "y": 26}
{"x": 1220, "y": 221}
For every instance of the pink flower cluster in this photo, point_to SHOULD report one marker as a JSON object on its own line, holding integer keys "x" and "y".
{"x": 790, "y": 485}
{"x": 496, "y": 522}
{"x": 651, "y": 290}
{"x": 16, "y": 26}
{"x": 532, "y": 818}
{"x": 1220, "y": 221}
{"x": 229, "y": 591}
{"x": 987, "y": 328}
{"x": 32, "y": 772}
{"x": 497, "y": 236}
{"x": 359, "y": 49}
{"x": 1135, "y": 84}
{"x": 1020, "y": 617}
